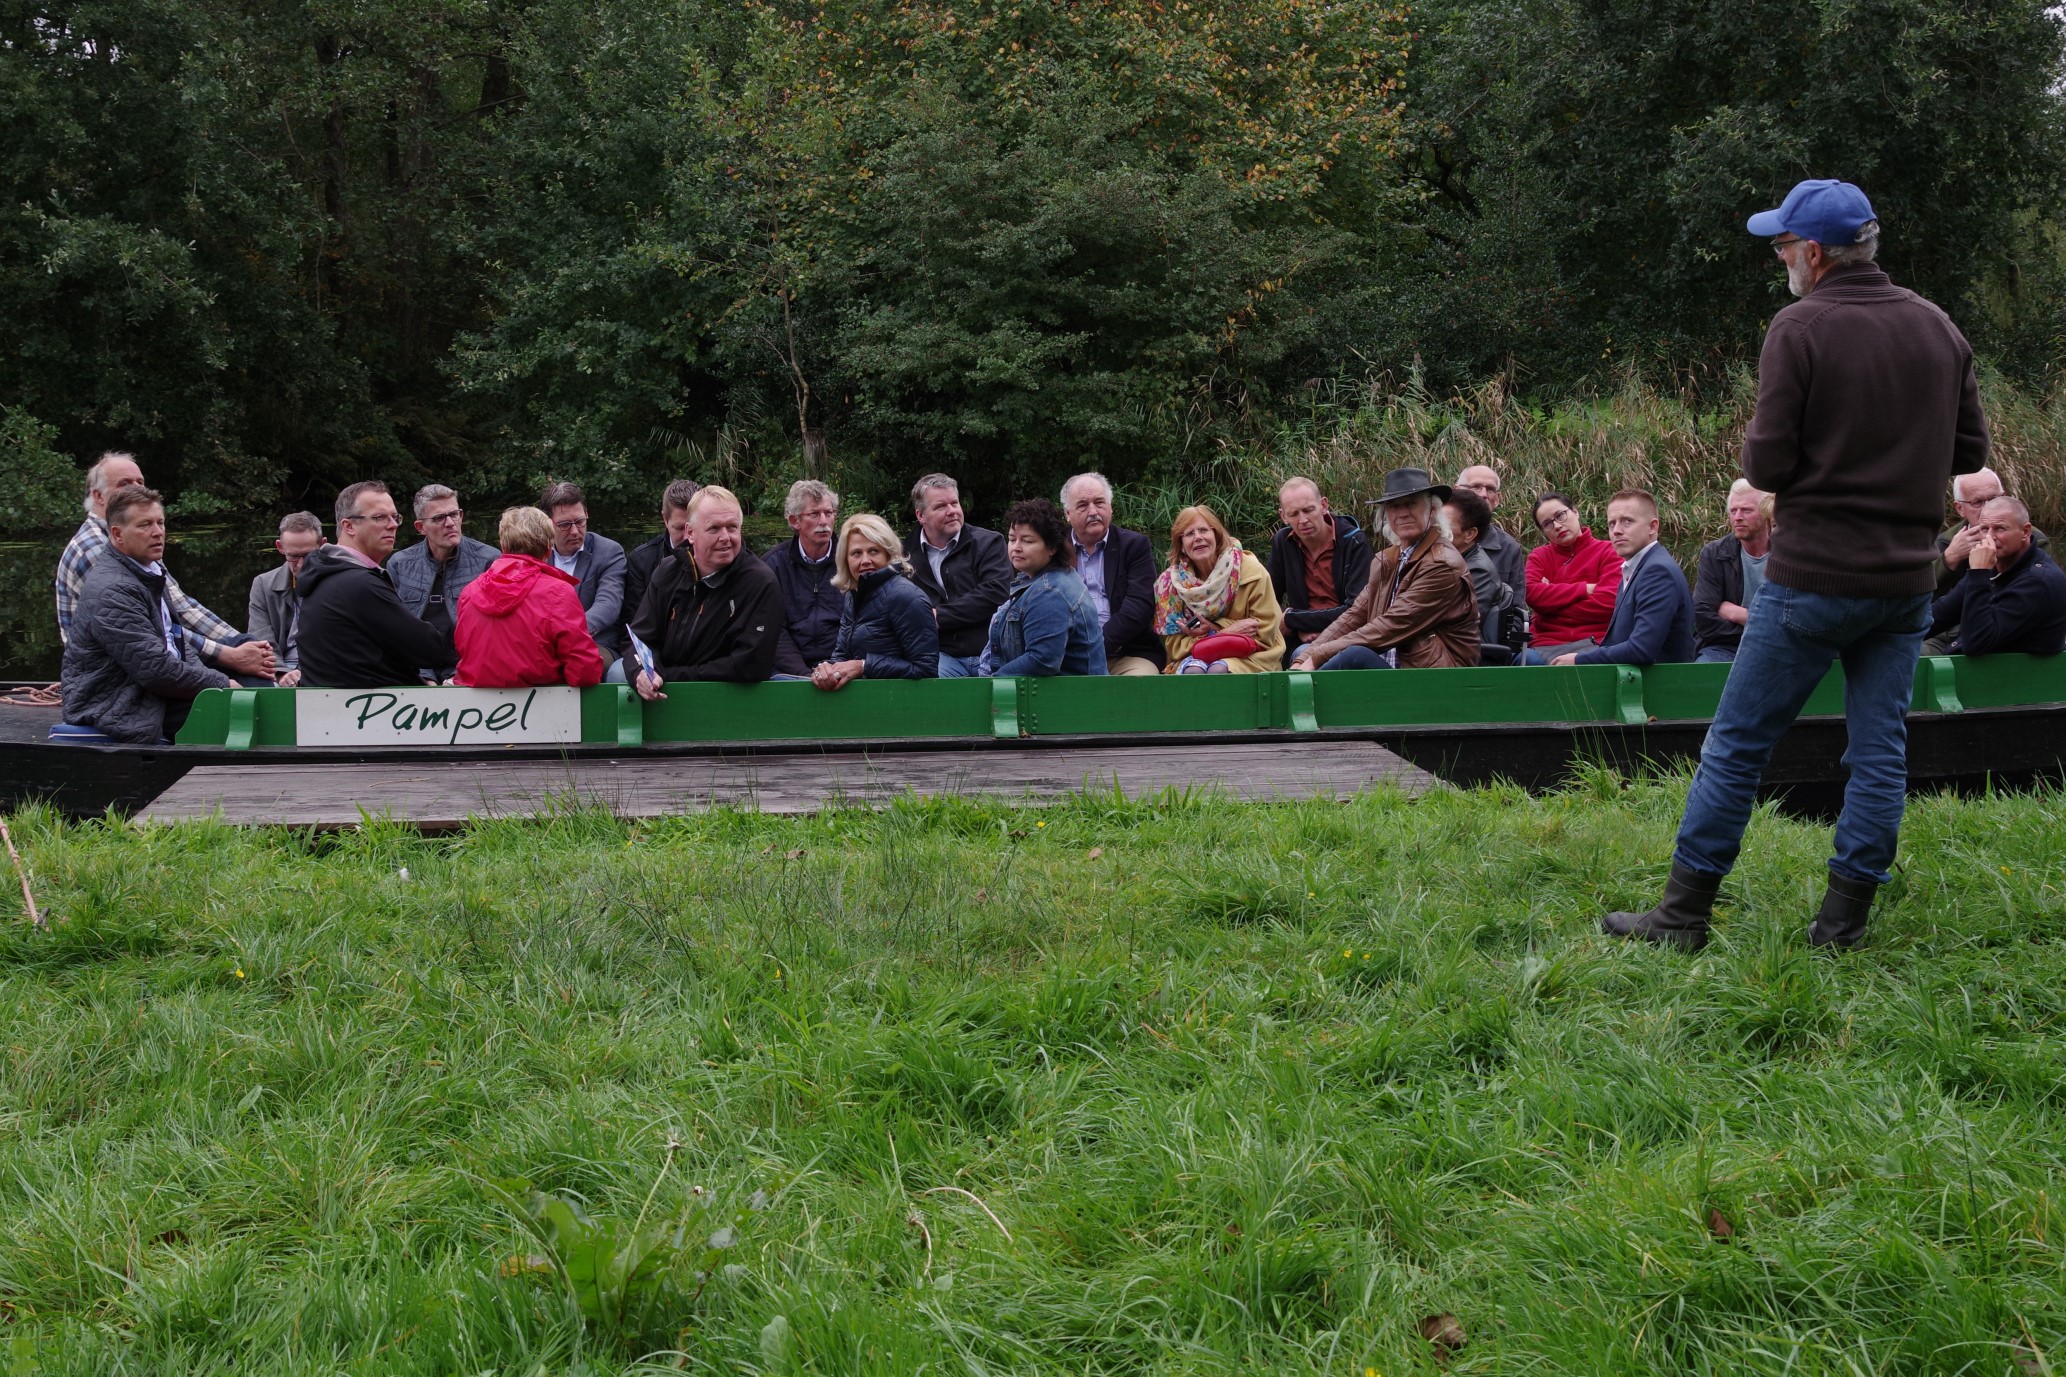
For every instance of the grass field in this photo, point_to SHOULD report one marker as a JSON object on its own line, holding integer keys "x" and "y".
{"x": 1105, "y": 1088}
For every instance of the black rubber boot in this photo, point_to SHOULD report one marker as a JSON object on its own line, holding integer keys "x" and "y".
{"x": 1841, "y": 921}
{"x": 1680, "y": 918}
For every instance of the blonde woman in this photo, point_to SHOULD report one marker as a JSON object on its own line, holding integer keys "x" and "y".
{"x": 1215, "y": 607}
{"x": 886, "y": 626}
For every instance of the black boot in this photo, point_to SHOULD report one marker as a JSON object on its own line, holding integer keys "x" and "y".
{"x": 1680, "y": 917}
{"x": 1841, "y": 921}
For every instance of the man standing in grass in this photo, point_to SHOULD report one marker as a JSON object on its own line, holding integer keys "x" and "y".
{"x": 1867, "y": 405}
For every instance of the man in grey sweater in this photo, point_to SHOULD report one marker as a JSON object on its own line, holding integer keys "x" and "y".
{"x": 1867, "y": 405}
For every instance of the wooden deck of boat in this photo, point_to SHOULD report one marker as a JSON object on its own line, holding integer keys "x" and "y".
{"x": 435, "y": 796}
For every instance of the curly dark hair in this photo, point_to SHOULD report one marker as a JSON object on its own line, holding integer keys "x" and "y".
{"x": 1044, "y": 519}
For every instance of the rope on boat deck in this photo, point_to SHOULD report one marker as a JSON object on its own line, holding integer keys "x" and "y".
{"x": 49, "y": 696}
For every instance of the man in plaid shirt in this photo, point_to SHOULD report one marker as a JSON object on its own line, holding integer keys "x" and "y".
{"x": 218, "y": 641}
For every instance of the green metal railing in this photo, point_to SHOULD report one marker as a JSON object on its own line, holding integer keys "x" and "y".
{"x": 241, "y": 719}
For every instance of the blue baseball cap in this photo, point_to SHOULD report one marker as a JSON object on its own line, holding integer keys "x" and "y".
{"x": 1828, "y": 212}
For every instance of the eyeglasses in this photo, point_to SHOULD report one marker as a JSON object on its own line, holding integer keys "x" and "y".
{"x": 1544, "y": 523}
{"x": 570, "y": 524}
{"x": 1780, "y": 246}
{"x": 381, "y": 519}
{"x": 445, "y": 518}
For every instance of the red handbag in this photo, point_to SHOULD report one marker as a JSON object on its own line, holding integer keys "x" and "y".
{"x": 1224, "y": 646}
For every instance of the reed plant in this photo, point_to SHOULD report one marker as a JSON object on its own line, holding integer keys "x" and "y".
{"x": 1111, "y": 1087}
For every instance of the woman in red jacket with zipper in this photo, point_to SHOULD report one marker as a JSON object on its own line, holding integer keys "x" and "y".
{"x": 1572, "y": 582}
{"x": 521, "y": 624}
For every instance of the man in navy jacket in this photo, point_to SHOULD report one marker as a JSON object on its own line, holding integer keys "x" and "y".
{"x": 2012, "y": 597}
{"x": 1118, "y": 567}
{"x": 1653, "y": 615}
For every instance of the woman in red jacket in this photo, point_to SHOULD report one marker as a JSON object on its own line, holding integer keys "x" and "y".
{"x": 1572, "y": 583}
{"x": 521, "y": 623}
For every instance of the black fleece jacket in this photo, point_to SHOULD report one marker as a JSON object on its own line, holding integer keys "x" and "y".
{"x": 355, "y": 631}
{"x": 721, "y": 629}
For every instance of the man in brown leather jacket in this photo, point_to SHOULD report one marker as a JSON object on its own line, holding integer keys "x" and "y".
{"x": 1418, "y": 611}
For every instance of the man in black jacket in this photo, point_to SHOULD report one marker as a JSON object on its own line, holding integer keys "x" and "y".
{"x": 129, "y": 670}
{"x": 1118, "y": 567}
{"x": 355, "y": 630}
{"x": 1506, "y": 553}
{"x": 962, "y": 568}
{"x": 1731, "y": 572}
{"x": 712, "y": 612}
{"x": 804, "y": 566}
{"x": 1319, "y": 562}
{"x": 2012, "y": 597}
{"x": 642, "y": 559}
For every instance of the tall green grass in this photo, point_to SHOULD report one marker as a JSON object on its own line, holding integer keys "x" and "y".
{"x": 1173, "y": 1086}
{"x": 1686, "y": 450}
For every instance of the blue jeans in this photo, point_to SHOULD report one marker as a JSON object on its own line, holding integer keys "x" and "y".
{"x": 1716, "y": 655}
{"x": 1357, "y": 657}
{"x": 1787, "y": 648}
{"x": 960, "y": 666}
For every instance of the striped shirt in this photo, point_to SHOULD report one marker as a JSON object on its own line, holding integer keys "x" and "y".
{"x": 208, "y": 633}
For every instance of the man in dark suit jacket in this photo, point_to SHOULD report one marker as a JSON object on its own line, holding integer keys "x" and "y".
{"x": 1653, "y": 615}
{"x": 962, "y": 568}
{"x": 596, "y": 563}
{"x": 1118, "y": 566}
{"x": 643, "y": 558}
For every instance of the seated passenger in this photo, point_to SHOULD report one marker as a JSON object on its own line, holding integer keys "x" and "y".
{"x": 1731, "y": 571}
{"x": 430, "y": 575}
{"x": 1969, "y": 493}
{"x": 2013, "y": 596}
{"x": 1572, "y": 581}
{"x": 129, "y": 670}
{"x": 1319, "y": 562}
{"x": 355, "y": 632}
{"x": 595, "y": 561}
{"x": 804, "y": 566}
{"x": 1047, "y": 624}
{"x": 643, "y": 558}
{"x": 1118, "y": 567}
{"x": 1506, "y": 554}
{"x": 215, "y": 640}
{"x": 1653, "y": 612}
{"x": 962, "y": 568}
{"x": 521, "y": 623}
{"x": 1215, "y": 606}
{"x": 1419, "y": 610}
{"x": 1469, "y": 518}
{"x": 712, "y": 611}
{"x": 887, "y": 630}
{"x": 273, "y": 610}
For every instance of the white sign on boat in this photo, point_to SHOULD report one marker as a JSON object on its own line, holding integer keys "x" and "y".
{"x": 436, "y": 716}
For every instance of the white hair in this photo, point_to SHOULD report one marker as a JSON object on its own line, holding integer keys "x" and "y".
{"x": 99, "y": 471}
{"x": 1860, "y": 250}
{"x": 1438, "y": 518}
{"x": 1958, "y": 483}
{"x": 1097, "y": 478}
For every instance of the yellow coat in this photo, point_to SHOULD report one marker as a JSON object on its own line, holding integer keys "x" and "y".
{"x": 1254, "y": 596}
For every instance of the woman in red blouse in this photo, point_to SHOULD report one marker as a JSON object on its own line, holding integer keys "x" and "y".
{"x": 1572, "y": 582}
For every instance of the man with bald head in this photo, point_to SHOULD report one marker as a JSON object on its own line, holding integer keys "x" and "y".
{"x": 1505, "y": 552}
{"x": 1969, "y": 493}
{"x": 2012, "y": 599}
{"x": 209, "y": 636}
{"x": 1319, "y": 562}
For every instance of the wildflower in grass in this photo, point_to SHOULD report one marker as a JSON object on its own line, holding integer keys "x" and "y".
{"x": 238, "y": 972}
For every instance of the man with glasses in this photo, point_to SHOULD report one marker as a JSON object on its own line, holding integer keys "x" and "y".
{"x": 430, "y": 575}
{"x": 355, "y": 630}
{"x": 595, "y": 562}
{"x": 1867, "y": 405}
{"x": 1509, "y": 558}
{"x": 1969, "y": 493}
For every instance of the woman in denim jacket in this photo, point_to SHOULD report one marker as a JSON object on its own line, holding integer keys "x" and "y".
{"x": 1048, "y": 625}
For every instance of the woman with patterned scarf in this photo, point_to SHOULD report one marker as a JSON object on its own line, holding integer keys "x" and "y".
{"x": 1215, "y": 607}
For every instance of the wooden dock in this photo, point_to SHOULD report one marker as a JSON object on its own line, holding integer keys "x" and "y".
{"x": 441, "y": 795}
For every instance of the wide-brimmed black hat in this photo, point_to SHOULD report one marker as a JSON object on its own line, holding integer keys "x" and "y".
{"x": 1409, "y": 483}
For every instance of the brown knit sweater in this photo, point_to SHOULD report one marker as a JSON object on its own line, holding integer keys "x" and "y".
{"x": 1867, "y": 406}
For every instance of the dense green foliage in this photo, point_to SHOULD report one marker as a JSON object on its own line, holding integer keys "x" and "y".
{"x": 1173, "y": 1086}
{"x": 278, "y": 247}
